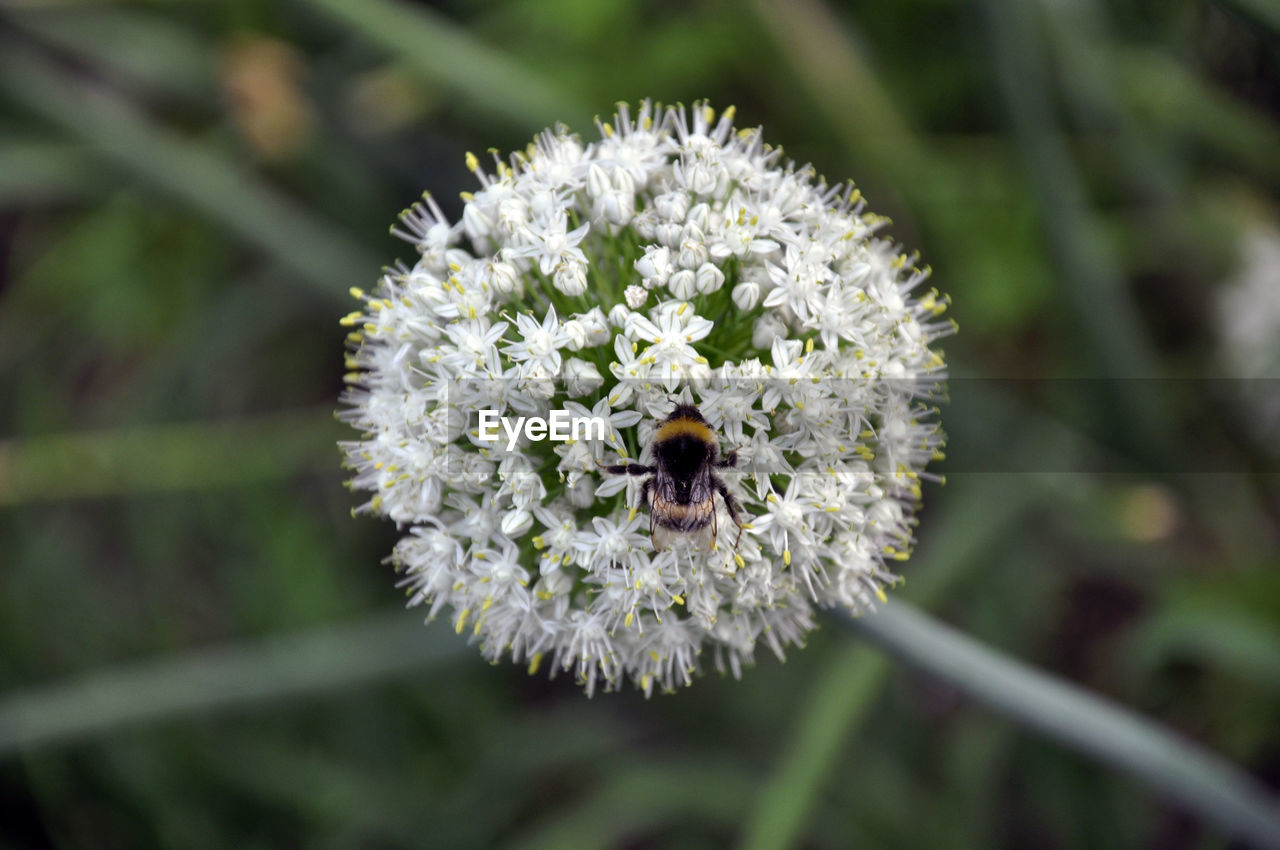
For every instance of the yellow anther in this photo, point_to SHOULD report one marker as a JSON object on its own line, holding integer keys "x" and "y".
{"x": 534, "y": 663}
{"x": 786, "y": 557}
{"x": 356, "y": 292}
{"x": 472, "y": 162}
{"x": 351, "y": 318}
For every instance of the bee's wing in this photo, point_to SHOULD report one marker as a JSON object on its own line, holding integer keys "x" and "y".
{"x": 665, "y": 485}
{"x": 700, "y": 490}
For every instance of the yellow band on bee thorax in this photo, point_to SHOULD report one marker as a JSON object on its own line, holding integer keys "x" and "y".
{"x": 692, "y": 427}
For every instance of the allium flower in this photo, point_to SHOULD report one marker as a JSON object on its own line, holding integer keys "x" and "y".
{"x": 675, "y": 258}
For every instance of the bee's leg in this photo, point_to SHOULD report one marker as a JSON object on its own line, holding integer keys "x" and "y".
{"x": 626, "y": 468}
{"x": 731, "y": 459}
{"x": 731, "y": 503}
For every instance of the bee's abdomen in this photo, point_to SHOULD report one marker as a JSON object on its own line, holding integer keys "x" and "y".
{"x": 678, "y": 517}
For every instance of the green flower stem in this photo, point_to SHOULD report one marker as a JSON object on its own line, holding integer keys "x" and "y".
{"x": 332, "y": 658}
{"x": 316, "y": 250}
{"x": 444, "y": 53}
{"x": 1203, "y": 783}
{"x": 160, "y": 458}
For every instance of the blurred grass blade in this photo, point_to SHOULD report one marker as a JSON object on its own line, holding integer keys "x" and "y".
{"x": 1203, "y": 783}
{"x": 637, "y": 799}
{"x": 844, "y": 87}
{"x": 1179, "y": 101}
{"x": 159, "y": 458}
{"x": 35, "y": 171}
{"x": 1084, "y": 53}
{"x": 1264, "y": 11}
{"x": 836, "y": 708}
{"x": 323, "y": 660}
{"x": 983, "y": 509}
{"x": 482, "y": 77}
{"x": 1225, "y": 637}
{"x": 1090, "y": 279}
{"x": 316, "y": 250}
{"x": 150, "y": 52}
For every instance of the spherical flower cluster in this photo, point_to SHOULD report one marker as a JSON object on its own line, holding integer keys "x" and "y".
{"x": 674, "y": 259}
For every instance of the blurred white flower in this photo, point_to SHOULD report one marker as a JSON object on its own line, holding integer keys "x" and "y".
{"x": 672, "y": 256}
{"x": 1249, "y": 331}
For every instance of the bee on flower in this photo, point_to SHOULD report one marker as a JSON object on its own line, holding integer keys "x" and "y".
{"x": 758, "y": 355}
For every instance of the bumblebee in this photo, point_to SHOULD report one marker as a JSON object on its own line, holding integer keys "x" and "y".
{"x": 680, "y": 492}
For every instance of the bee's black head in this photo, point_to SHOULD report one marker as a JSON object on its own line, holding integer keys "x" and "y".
{"x": 686, "y": 411}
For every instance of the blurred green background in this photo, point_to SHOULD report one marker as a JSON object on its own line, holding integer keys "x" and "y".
{"x": 187, "y": 190}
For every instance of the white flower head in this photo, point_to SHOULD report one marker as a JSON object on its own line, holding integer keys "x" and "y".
{"x": 672, "y": 259}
